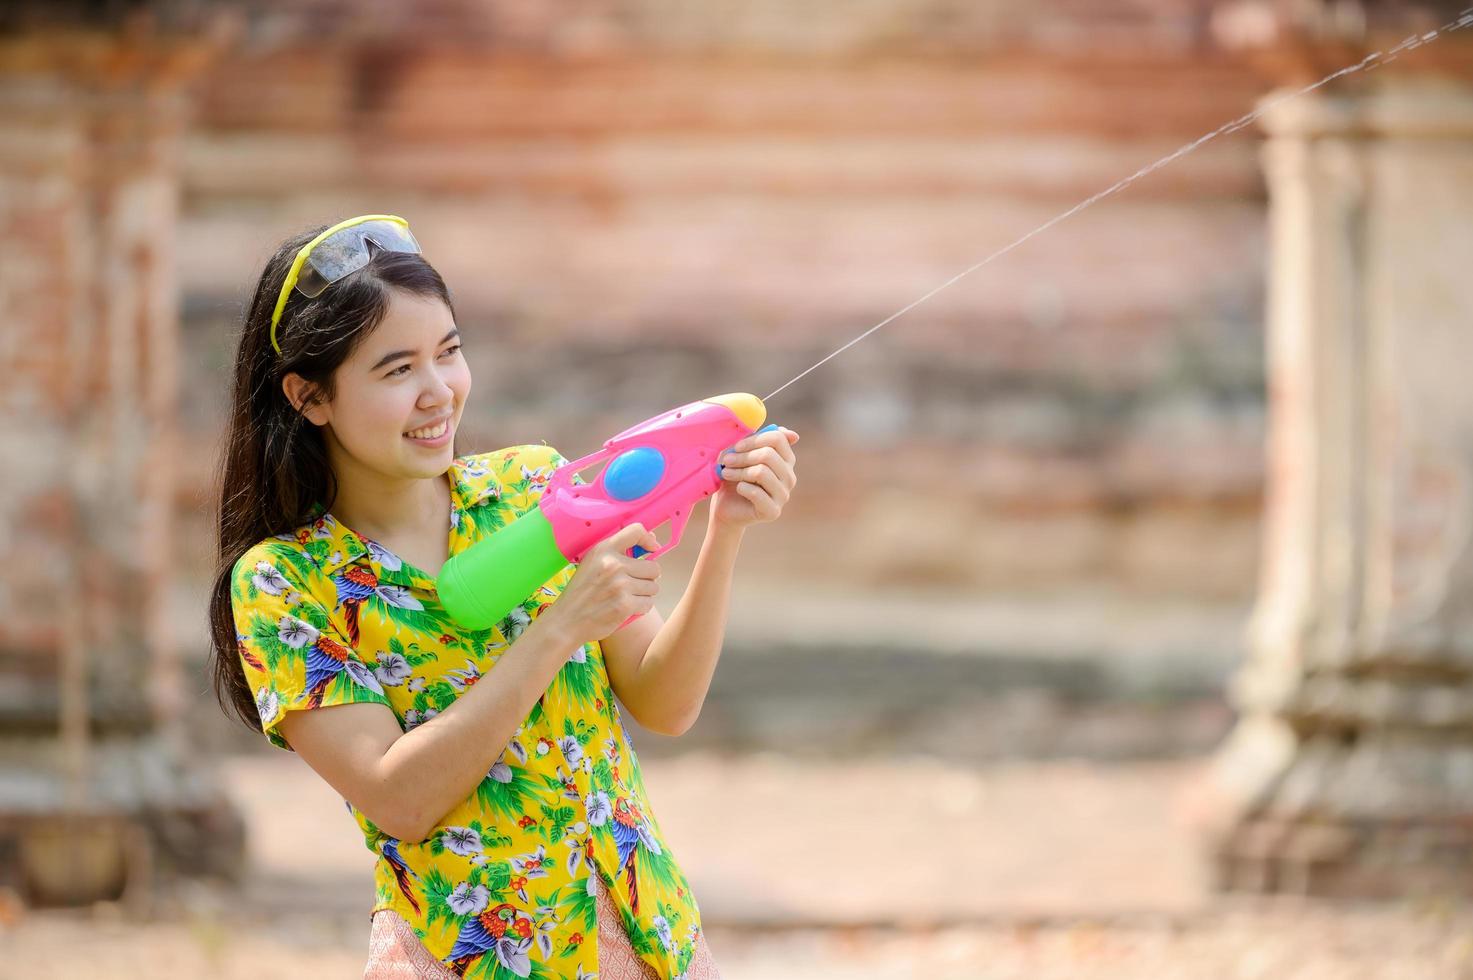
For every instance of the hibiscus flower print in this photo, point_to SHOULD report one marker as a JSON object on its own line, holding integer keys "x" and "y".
{"x": 392, "y": 669}
{"x": 465, "y": 900}
{"x": 295, "y": 633}
{"x": 414, "y": 718}
{"x": 515, "y": 623}
{"x": 269, "y": 579}
{"x": 599, "y": 808}
{"x": 267, "y": 703}
{"x": 572, "y": 751}
{"x": 461, "y": 840}
{"x": 662, "y": 929}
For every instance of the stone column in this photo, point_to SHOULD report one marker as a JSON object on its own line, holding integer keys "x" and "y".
{"x": 97, "y": 787}
{"x": 1350, "y": 772}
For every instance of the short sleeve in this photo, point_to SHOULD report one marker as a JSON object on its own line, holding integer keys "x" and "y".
{"x": 293, "y": 656}
{"x": 526, "y": 471}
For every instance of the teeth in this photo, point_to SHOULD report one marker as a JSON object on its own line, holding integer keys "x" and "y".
{"x": 434, "y": 433}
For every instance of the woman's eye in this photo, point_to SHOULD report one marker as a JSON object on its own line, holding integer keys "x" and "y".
{"x": 405, "y": 367}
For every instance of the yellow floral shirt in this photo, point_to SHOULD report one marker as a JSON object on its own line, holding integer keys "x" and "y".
{"x": 502, "y": 887}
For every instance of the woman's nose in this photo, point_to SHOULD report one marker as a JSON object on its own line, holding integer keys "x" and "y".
{"x": 439, "y": 390}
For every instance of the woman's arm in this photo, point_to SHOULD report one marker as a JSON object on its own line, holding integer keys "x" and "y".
{"x": 406, "y": 781}
{"x": 662, "y": 670}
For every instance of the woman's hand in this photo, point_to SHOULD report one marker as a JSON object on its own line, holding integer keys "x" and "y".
{"x": 609, "y": 586}
{"x": 760, "y": 474}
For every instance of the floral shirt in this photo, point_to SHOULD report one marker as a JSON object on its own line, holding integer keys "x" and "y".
{"x": 503, "y": 886}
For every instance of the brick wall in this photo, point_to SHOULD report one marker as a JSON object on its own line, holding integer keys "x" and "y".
{"x": 638, "y": 205}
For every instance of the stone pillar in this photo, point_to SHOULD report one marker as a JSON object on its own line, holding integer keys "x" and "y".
{"x": 97, "y": 787}
{"x": 1350, "y": 772}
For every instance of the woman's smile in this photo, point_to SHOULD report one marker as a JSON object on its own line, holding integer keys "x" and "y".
{"x": 431, "y": 436}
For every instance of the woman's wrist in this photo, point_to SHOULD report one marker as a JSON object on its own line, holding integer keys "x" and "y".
{"x": 555, "y": 628}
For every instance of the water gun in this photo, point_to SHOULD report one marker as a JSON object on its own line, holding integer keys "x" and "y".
{"x": 659, "y": 470}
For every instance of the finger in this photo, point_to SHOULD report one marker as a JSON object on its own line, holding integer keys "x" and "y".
{"x": 763, "y": 454}
{"x": 764, "y": 476}
{"x": 642, "y": 568}
{"x": 628, "y": 536}
{"x": 771, "y": 437}
{"x": 762, "y": 501}
{"x": 645, "y": 587}
{"x": 784, "y": 445}
{"x": 771, "y": 476}
{"x": 779, "y": 450}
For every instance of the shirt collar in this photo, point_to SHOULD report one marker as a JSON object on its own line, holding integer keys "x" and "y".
{"x": 344, "y": 546}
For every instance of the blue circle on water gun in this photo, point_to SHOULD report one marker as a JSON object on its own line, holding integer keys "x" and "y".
{"x": 634, "y": 473}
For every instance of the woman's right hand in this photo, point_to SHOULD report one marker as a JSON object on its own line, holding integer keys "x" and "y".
{"x": 609, "y": 586}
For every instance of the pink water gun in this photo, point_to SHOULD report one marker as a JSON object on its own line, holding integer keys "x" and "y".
{"x": 657, "y": 472}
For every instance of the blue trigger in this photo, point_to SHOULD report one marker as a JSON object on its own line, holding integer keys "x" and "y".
{"x": 639, "y": 552}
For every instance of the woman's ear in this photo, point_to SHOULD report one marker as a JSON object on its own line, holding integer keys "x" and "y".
{"x": 299, "y": 392}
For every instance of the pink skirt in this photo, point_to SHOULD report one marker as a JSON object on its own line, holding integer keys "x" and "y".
{"x": 396, "y": 953}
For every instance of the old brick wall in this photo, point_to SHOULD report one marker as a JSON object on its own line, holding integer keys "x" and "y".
{"x": 641, "y": 203}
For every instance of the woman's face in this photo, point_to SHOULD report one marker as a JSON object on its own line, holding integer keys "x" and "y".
{"x": 407, "y": 376}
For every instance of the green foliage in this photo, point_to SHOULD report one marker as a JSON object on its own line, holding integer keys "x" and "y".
{"x": 510, "y": 799}
{"x": 641, "y": 940}
{"x": 437, "y": 890}
{"x": 658, "y": 868}
{"x": 581, "y": 905}
{"x": 556, "y": 821}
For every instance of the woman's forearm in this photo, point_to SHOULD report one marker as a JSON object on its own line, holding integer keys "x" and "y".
{"x": 673, "y": 677}
{"x": 434, "y": 767}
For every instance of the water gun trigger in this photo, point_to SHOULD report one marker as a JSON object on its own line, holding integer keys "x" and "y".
{"x": 677, "y": 528}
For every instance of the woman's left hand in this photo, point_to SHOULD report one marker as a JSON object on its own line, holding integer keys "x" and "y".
{"x": 759, "y": 474}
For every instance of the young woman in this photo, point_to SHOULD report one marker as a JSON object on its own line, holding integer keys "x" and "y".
{"x": 489, "y": 770}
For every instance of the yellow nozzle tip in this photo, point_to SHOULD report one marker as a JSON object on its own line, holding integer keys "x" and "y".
{"x": 748, "y": 408}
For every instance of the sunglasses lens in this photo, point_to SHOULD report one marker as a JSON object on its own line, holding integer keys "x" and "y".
{"x": 347, "y": 251}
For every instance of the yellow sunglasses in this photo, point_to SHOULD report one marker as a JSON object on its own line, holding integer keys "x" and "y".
{"x": 340, "y": 251}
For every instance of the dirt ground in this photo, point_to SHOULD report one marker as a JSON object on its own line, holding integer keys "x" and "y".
{"x": 857, "y": 870}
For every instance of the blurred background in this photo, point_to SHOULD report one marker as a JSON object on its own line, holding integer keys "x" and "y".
{"x": 1120, "y": 624}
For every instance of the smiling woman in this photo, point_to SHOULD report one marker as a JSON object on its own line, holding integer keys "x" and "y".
{"x": 488, "y": 770}
{"x": 390, "y": 425}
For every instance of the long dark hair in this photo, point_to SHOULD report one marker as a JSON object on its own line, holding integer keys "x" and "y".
{"x": 274, "y": 466}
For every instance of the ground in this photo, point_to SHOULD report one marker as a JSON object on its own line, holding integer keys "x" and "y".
{"x": 896, "y": 868}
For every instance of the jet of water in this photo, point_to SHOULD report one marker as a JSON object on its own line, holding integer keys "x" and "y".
{"x": 1369, "y": 62}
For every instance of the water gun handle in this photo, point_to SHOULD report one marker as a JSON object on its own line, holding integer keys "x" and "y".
{"x": 677, "y": 525}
